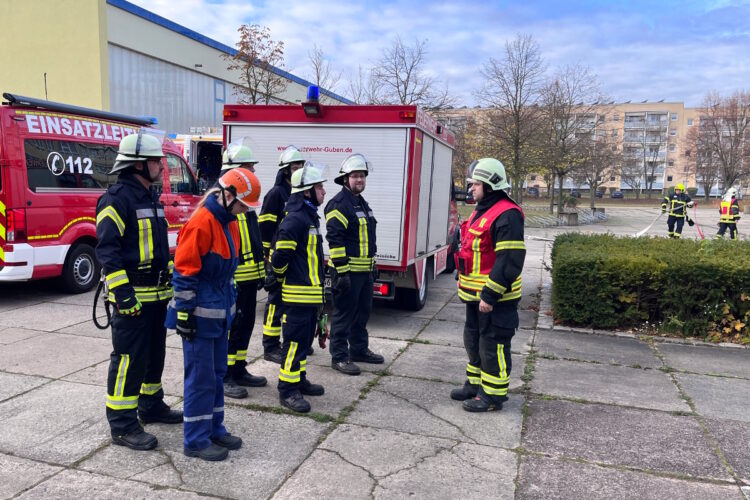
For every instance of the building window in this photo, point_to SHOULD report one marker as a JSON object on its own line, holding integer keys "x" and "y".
{"x": 690, "y": 122}
{"x": 615, "y": 132}
{"x": 687, "y": 153}
{"x": 671, "y": 163}
{"x": 673, "y": 132}
{"x": 599, "y": 179}
{"x": 669, "y": 178}
{"x": 616, "y": 117}
{"x": 671, "y": 147}
{"x": 674, "y": 117}
{"x": 532, "y": 177}
{"x": 612, "y": 179}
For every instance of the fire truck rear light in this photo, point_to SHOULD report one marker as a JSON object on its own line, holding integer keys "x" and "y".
{"x": 407, "y": 115}
{"x": 381, "y": 289}
{"x": 16, "y": 225}
{"x": 230, "y": 113}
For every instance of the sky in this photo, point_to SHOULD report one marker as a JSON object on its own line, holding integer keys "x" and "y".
{"x": 639, "y": 50}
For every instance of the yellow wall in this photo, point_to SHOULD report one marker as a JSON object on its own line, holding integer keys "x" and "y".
{"x": 67, "y": 39}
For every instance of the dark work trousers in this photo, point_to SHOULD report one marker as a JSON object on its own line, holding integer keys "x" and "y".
{"x": 242, "y": 327}
{"x": 272, "y": 322}
{"x": 723, "y": 226}
{"x": 487, "y": 339}
{"x": 351, "y": 311}
{"x": 675, "y": 232}
{"x": 298, "y": 328}
{"x": 205, "y": 366}
{"x": 135, "y": 367}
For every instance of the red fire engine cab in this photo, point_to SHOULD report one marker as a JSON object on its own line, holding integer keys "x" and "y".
{"x": 410, "y": 190}
{"x": 54, "y": 165}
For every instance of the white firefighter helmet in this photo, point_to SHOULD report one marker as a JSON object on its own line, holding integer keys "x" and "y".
{"x": 731, "y": 193}
{"x": 307, "y": 176}
{"x": 238, "y": 153}
{"x": 353, "y": 163}
{"x": 490, "y": 171}
{"x": 142, "y": 146}
{"x": 290, "y": 154}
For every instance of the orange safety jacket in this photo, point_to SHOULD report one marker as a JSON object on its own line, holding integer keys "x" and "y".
{"x": 476, "y": 257}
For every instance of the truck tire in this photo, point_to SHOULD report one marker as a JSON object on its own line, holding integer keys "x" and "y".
{"x": 414, "y": 299}
{"x": 81, "y": 269}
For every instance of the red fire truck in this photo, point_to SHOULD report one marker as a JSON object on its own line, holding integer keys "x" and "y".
{"x": 54, "y": 164}
{"x": 410, "y": 191}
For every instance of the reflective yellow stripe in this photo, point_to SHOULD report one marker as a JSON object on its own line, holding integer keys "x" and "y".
{"x": 501, "y": 362}
{"x": 286, "y": 245}
{"x": 473, "y": 374}
{"x": 2, "y": 208}
{"x": 477, "y": 261}
{"x": 145, "y": 242}
{"x": 110, "y": 212}
{"x": 150, "y": 389}
{"x": 241, "y": 355}
{"x": 280, "y": 270}
{"x": 342, "y": 269}
{"x": 122, "y": 373}
{"x": 510, "y": 245}
{"x": 495, "y": 287}
{"x": 245, "y": 247}
{"x": 231, "y": 358}
{"x": 122, "y": 403}
{"x": 312, "y": 258}
{"x": 117, "y": 278}
{"x": 290, "y": 357}
{"x": 268, "y": 218}
{"x": 363, "y": 242}
{"x": 335, "y": 214}
{"x": 338, "y": 252}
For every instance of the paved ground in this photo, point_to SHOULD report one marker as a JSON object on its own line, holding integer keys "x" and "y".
{"x": 590, "y": 415}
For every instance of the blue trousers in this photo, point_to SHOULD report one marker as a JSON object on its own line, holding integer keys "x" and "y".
{"x": 205, "y": 367}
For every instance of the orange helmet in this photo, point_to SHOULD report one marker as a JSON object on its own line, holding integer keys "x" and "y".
{"x": 243, "y": 184}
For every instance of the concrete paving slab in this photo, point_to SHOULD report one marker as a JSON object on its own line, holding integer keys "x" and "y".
{"x": 12, "y": 384}
{"x": 607, "y": 384}
{"x": 733, "y": 438}
{"x": 87, "y": 329}
{"x": 79, "y": 299}
{"x": 442, "y": 332}
{"x": 388, "y": 348}
{"x": 172, "y": 378}
{"x": 708, "y": 360}
{"x": 395, "y": 326}
{"x": 341, "y": 390}
{"x": 349, "y": 481}
{"x": 71, "y": 484}
{"x": 453, "y": 312}
{"x": 543, "y": 478}
{"x": 163, "y": 475}
{"x": 489, "y": 472}
{"x": 526, "y": 319}
{"x": 601, "y": 348}
{"x": 60, "y": 422}
{"x": 40, "y": 355}
{"x": 9, "y": 335}
{"x": 622, "y": 436}
{"x": 123, "y": 463}
{"x": 48, "y": 316}
{"x": 273, "y": 447}
{"x": 425, "y": 408}
{"x": 444, "y": 363}
{"x": 717, "y": 397}
{"x": 18, "y": 474}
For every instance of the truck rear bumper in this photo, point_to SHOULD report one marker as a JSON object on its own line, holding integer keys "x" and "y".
{"x": 21, "y": 261}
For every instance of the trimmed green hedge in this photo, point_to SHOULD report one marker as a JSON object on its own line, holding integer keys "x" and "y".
{"x": 699, "y": 288}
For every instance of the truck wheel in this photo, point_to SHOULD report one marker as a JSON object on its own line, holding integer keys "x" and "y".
{"x": 81, "y": 269}
{"x": 414, "y": 299}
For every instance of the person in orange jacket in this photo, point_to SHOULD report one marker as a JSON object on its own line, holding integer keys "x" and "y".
{"x": 204, "y": 306}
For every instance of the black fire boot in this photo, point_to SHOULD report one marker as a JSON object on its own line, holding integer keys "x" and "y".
{"x": 162, "y": 414}
{"x": 367, "y": 357}
{"x": 212, "y": 453}
{"x": 273, "y": 356}
{"x": 468, "y": 391}
{"x": 136, "y": 440}
{"x": 232, "y": 390}
{"x": 228, "y": 441}
{"x": 242, "y": 377}
{"x": 295, "y": 402}
{"x": 309, "y": 389}
{"x": 484, "y": 402}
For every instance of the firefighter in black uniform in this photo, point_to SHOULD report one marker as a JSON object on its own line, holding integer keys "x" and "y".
{"x": 271, "y": 215}
{"x": 489, "y": 266}
{"x": 297, "y": 265}
{"x": 134, "y": 253}
{"x": 675, "y": 204}
{"x": 350, "y": 231}
{"x": 249, "y": 278}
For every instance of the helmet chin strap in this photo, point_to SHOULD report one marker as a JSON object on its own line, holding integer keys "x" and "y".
{"x": 228, "y": 207}
{"x": 313, "y": 196}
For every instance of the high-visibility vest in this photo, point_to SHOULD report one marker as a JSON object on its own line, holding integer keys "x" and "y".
{"x": 725, "y": 211}
{"x": 476, "y": 257}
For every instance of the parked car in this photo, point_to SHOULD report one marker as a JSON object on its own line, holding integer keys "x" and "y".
{"x": 617, "y": 194}
{"x": 598, "y": 194}
{"x": 470, "y": 197}
{"x": 575, "y": 193}
{"x": 533, "y": 191}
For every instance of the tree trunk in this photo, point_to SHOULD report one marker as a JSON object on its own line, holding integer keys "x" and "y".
{"x": 592, "y": 194}
{"x": 560, "y": 194}
{"x": 551, "y": 194}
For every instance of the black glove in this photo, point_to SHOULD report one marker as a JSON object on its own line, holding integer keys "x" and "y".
{"x": 272, "y": 284}
{"x": 129, "y": 306}
{"x": 186, "y": 325}
{"x": 342, "y": 283}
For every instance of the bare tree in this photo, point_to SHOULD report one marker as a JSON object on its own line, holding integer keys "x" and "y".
{"x": 701, "y": 158}
{"x": 362, "y": 88}
{"x": 258, "y": 55}
{"x": 645, "y": 148}
{"x": 324, "y": 75}
{"x": 402, "y": 78}
{"x": 511, "y": 88}
{"x": 600, "y": 158}
{"x": 631, "y": 174}
{"x": 569, "y": 103}
{"x": 724, "y": 128}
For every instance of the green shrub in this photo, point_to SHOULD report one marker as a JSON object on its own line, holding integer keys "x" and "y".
{"x": 695, "y": 288}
